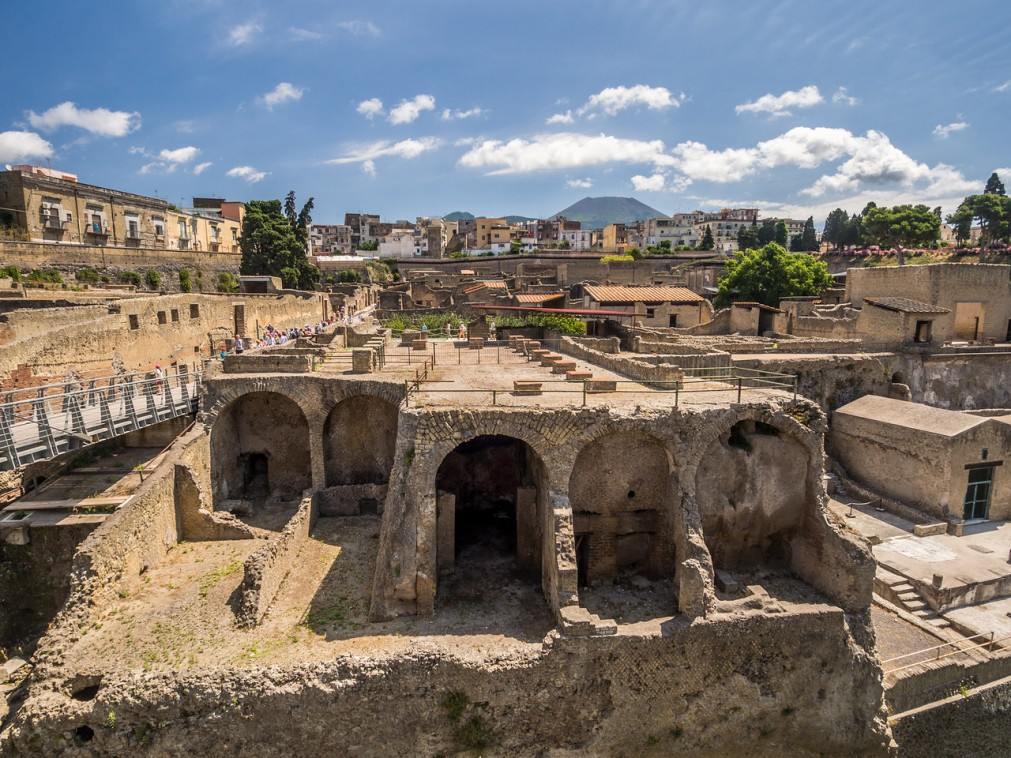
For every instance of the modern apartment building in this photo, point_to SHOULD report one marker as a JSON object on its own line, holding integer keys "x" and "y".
{"x": 330, "y": 239}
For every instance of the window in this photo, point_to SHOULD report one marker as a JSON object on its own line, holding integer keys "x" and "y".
{"x": 161, "y": 317}
{"x": 650, "y": 312}
{"x": 923, "y": 331}
{"x": 182, "y": 229}
{"x": 175, "y": 314}
{"x": 673, "y": 319}
{"x": 159, "y": 226}
{"x": 194, "y": 310}
{"x": 133, "y": 227}
{"x": 134, "y": 321}
{"x": 977, "y": 493}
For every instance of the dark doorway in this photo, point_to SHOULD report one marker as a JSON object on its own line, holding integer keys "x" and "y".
{"x": 672, "y": 320}
{"x": 977, "y": 493}
{"x": 1007, "y": 337}
{"x": 487, "y": 523}
{"x": 582, "y": 559}
{"x": 255, "y": 475}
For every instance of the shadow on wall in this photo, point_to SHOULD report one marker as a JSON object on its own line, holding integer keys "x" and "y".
{"x": 752, "y": 492}
{"x": 621, "y": 493}
{"x": 260, "y": 449}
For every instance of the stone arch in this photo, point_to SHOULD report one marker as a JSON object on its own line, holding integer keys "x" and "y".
{"x": 491, "y": 499}
{"x": 260, "y": 448}
{"x": 359, "y": 441}
{"x": 621, "y": 489}
{"x": 755, "y": 482}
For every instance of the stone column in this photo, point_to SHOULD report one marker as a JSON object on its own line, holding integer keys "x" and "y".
{"x": 445, "y": 548}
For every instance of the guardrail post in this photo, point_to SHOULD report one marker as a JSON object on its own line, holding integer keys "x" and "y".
{"x": 42, "y": 422}
{"x": 128, "y": 407}
{"x": 184, "y": 391}
{"x": 493, "y": 397}
{"x": 76, "y": 417}
{"x": 584, "y": 393}
{"x": 738, "y": 389}
{"x": 91, "y": 393}
{"x": 7, "y": 441}
{"x": 458, "y": 356}
{"x": 170, "y": 405}
{"x": 796, "y": 378}
{"x": 407, "y": 394}
{"x": 677, "y": 391}
{"x": 9, "y": 406}
{"x": 105, "y": 414}
{"x": 433, "y": 355}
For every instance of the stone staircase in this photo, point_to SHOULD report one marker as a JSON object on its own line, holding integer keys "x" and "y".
{"x": 899, "y": 590}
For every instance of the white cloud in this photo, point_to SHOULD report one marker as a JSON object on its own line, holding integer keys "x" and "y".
{"x": 579, "y": 183}
{"x": 409, "y": 110}
{"x": 284, "y": 92}
{"x": 248, "y": 173}
{"x": 180, "y": 154}
{"x": 22, "y": 146}
{"x": 360, "y": 28}
{"x": 369, "y": 167}
{"x": 654, "y": 183}
{"x": 613, "y": 100}
{"x": 408, "y": 148}
{"x": 449, "y": 114}
{"x": 842, "y": 96}
{"x": 100, "y": 121}
{"x": 946, "y": 130}
{"x": 202, "y": 167}
{"x": 370, "y": 108}
{"x": 779, "y": 105}
{"x": 243, "y": 34}
{"x": 564, "y": 150}
{"x": 561, "y": 118}
{"x": 1003, "y": 87}
{"x": 298, "y": 34}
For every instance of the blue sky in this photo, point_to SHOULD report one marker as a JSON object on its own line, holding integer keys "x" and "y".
{"x": 424, "y": 107}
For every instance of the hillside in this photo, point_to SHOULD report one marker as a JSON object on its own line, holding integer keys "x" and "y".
{"x": 598, "y": 212}
{"x": 458, "y": 216}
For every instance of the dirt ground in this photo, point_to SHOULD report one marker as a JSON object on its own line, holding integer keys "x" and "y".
{"x": 179, "y": 615}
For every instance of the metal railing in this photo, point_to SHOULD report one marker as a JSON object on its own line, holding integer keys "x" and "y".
{"x": 938, "y": 654}
{"x": 587, "y": 387}
{"x": 39, "y": 423}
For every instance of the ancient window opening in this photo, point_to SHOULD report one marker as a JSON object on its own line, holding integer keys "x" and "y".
{"x": 923, "y": 331}
{"x": 134, "y": 321}
{"x": 175, "y": 314}
{"x": 194, "y": 310}
{"x": 162, "y": 319}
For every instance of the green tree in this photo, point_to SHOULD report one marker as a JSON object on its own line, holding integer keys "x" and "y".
{"x": 909, "y": 225}
{"x": 809, "y": 237}
{"x": 707, "y": 239}
{"x": 993, "y": 214}
{"x": 782, "y": 233}
{"x": 185, "y": 280}
{"x": 271, "y": 247}
{"x": 747, "y": 237}
{"x": 836, "y": 226}
{"x": 767, "y": 231}
{"x": 768, "y": 274}
{"x": 994, "y": 186}
{"x": 152, "y": 279}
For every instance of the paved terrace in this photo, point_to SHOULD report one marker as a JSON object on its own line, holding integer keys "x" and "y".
{"x": 450, "y": 374}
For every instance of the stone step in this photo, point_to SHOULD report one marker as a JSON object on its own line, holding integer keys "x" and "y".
{"x": 909, "y": 597}
{"x": 902, "y": 587}
{"x": 915, "y": 605}
{"x": 939, "y": 623}
{"x": 563, "y": 367}
{"x": 578, "y": 375}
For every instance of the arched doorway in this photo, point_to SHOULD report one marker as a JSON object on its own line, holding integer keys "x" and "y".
{"x": 359, "y": 440}
{"x": 752, "y": 490}
{"x": 490, "y": 496}
{"x": 620, "y": 491}
{"x": 260, "y": 453}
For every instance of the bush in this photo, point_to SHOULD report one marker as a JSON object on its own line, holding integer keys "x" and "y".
{"x": 128, "y": 277}
{"x": 12, "y": 271}
{"x": 436, "y": 322}
{"x": 348, "y": 276}
{"x": 185, "y": 280}
{"x": 568, "y": 325}
{"x": 45, "y": 276}
{"x": 153, "y": 279}
{"x": 616, "y": 258}
{"x": 227, "y": 282}
{"x": 88, "y": 276}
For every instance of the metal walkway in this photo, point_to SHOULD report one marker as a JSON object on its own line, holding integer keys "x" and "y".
{"x": 39, "y": 423}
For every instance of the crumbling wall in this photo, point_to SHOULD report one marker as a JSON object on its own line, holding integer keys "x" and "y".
{"x": 265, "y": 570}
{"x": 798, "y": 684}
{"x": 359, "y": 438}
{"x": 619, "y": 363}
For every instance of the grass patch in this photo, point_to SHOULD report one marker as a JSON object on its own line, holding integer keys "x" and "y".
{"x": 207, "y": 581}
{"x": 342, "y": 613}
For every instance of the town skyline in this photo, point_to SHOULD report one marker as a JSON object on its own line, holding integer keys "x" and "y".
{"x": 355, "y": 108}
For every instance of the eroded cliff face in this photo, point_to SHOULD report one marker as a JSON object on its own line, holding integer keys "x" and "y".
{"x": 795, "y": 683}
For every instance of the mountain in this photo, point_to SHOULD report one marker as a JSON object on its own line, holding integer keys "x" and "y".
{"x": 467, "y": 216}
{"x": 598, "y": 212}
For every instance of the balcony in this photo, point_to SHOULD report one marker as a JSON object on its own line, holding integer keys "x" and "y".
{"x": 52, "y": 224}
{"x": 97, "y": 230}
{"x": 184, "y": 243}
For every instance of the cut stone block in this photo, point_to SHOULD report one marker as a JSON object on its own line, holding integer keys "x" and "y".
{"x": 563, "y": 367}
{"x": 602, "y": 385}
{"x": 526, "y": 388}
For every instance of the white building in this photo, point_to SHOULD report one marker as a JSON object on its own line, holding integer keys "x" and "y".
{"x": 578, "y": 239}
{"x": 398, "y": 245}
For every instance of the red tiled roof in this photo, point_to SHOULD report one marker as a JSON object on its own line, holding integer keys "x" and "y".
{"x": 618, "y": 294}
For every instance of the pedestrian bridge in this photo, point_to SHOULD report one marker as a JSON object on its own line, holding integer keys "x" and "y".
{"x": 40, "y": 423}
